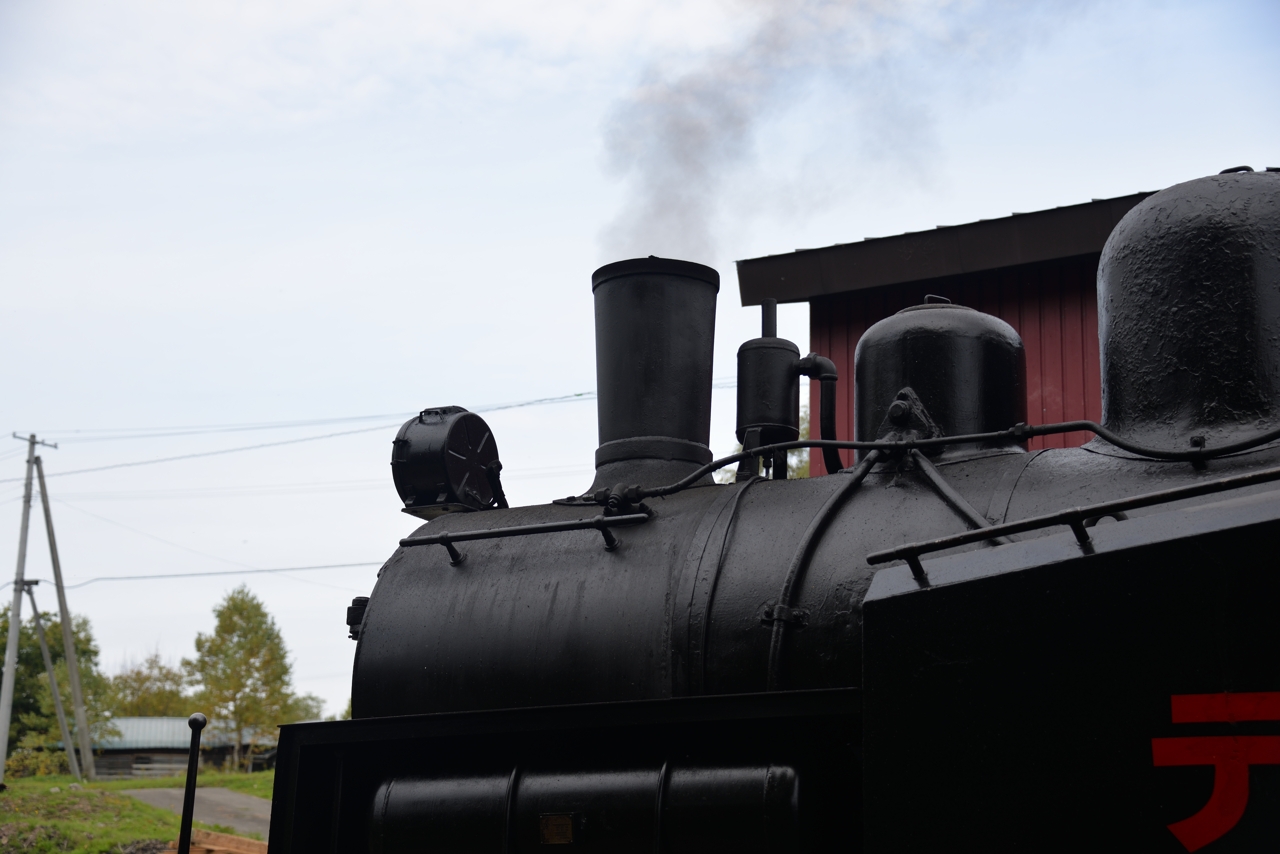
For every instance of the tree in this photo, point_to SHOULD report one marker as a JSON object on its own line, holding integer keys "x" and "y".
{"x": 304, "y": 707}
{"x": 797, "y": 459}
{"x": 242, "y": 672}
{"x": 34, "y": 725}
{"x": 150, "y": 689}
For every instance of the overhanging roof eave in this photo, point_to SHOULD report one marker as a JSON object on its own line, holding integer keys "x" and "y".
{"x": 1010, "y": 241}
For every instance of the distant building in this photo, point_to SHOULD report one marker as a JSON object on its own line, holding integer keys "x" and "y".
{"x": 1036, "y": 271}
{"x": 157, "y": 747}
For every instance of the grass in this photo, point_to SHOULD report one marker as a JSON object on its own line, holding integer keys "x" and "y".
{"x": 95, "y": 818}
{"x": 258, "y": 784}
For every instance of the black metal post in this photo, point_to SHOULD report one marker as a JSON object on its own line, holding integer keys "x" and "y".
{"x": 196, "y": 722}
{"x": 769, "y": 318}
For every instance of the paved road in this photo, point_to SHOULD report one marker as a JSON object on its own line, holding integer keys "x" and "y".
{"x": 245, "y": 813}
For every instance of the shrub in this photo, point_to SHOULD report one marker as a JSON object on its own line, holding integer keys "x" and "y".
{"x": 36, "y": 762}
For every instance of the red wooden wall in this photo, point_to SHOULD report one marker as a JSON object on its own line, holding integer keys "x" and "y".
{"x": 1053, "y": 305}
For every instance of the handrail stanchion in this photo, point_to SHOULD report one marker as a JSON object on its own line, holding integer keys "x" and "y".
{"x": 196, "y": 722}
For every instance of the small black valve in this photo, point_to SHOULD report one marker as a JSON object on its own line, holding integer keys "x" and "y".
{"x": 355, "y": 616}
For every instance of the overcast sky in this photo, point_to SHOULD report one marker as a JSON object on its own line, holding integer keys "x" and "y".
{"x": 318, "y": 217}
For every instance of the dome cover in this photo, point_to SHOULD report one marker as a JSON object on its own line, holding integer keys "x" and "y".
{"x": 1189, "y": 313}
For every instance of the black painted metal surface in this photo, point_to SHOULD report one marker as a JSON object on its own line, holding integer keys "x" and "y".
{"x": 768, "y": 390}
{"x": 197, "y": 723}
{"x": 1029, "y": 699}
{"x": 548, "y": 688}
{"x": 771, "y": 772}
{"x": 445, "y": 460}
{"x": 655, "y": 327}
{"x": 1189, "y": 313}
{"x": 966, "y": 368}
{"x": 694, "y": 809}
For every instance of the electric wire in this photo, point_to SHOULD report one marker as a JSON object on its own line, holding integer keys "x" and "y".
{"x": 152, "y": 536}
{"x": 245, "y": 569}
{"x": 172, "y": 575}
{"x": 206, "y": 453}
{"x": 120, "y": 433}
{"x": 81, "y": 434}
{"x": 542, "y": 401}
{"x": 271, "y": 490}
{"x": 126, "y": 433}
{"x": 265, "y": 490}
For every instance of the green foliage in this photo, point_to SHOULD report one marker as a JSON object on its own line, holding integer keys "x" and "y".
{"x": 304, "y": 707}
{"x": 150, "y": 689}
{"x": 243, "y": 675}
{"x": 36, "y": 755}
{"x": 34, "y": 724}
{"x": 259, "y": 784}
{"x": 797, "y": 460}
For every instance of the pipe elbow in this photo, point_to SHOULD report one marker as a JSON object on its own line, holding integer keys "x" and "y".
{"x": 817, "y": 367}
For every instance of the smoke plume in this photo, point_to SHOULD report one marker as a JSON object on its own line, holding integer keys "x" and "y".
{"x": 679, "y": 139}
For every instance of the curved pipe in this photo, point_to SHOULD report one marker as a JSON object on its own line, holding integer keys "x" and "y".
{"x": 827, "y": 403}
{"x": 1199, "y": 453}
{"x": 1018, "y": 432}
{"x": 821, "y": 368}
{"x": 800, "y": 562}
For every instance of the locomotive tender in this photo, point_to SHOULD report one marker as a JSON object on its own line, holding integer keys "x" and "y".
{"x": 954, "y": 644}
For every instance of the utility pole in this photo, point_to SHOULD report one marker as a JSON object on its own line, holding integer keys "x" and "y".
{"x": 15, "y": 610}
{"x": 53, "y": 681}
{"x": 68, "y": 638}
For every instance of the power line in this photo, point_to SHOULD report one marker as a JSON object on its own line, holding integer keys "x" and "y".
{"x": 222, "y": 572}
{"x": 542, "y": 401}
{"x": 308, "y": 488}
{"x": 210, "y": 453}
{"x": 153, "y": 536}
{"x": 166, "y": 432}
{"x": 247, "y": 569}
{"x": 118, "y": 433}
{"x": 495, "y": 408}
{"x": 96, "y": 434}
{"x": 234, "y": 490}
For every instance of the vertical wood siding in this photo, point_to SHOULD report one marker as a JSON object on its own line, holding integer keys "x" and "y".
{"x": 1052, "y": 305}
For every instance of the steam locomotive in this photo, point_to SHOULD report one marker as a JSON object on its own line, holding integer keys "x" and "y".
{"x": 954, "y": 644}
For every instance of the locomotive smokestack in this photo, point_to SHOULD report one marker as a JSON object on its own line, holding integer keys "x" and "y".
{"x": 655, "y": 326}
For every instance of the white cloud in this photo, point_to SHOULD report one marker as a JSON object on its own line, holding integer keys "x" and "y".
{"x": 128, "y": 67}
{"x": 242, "y": 212}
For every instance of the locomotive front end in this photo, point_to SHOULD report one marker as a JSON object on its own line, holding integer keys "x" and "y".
{"x": 952, "y": 643}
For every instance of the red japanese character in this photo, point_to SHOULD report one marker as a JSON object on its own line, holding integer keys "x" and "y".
{"x": 1229, "y": 755}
